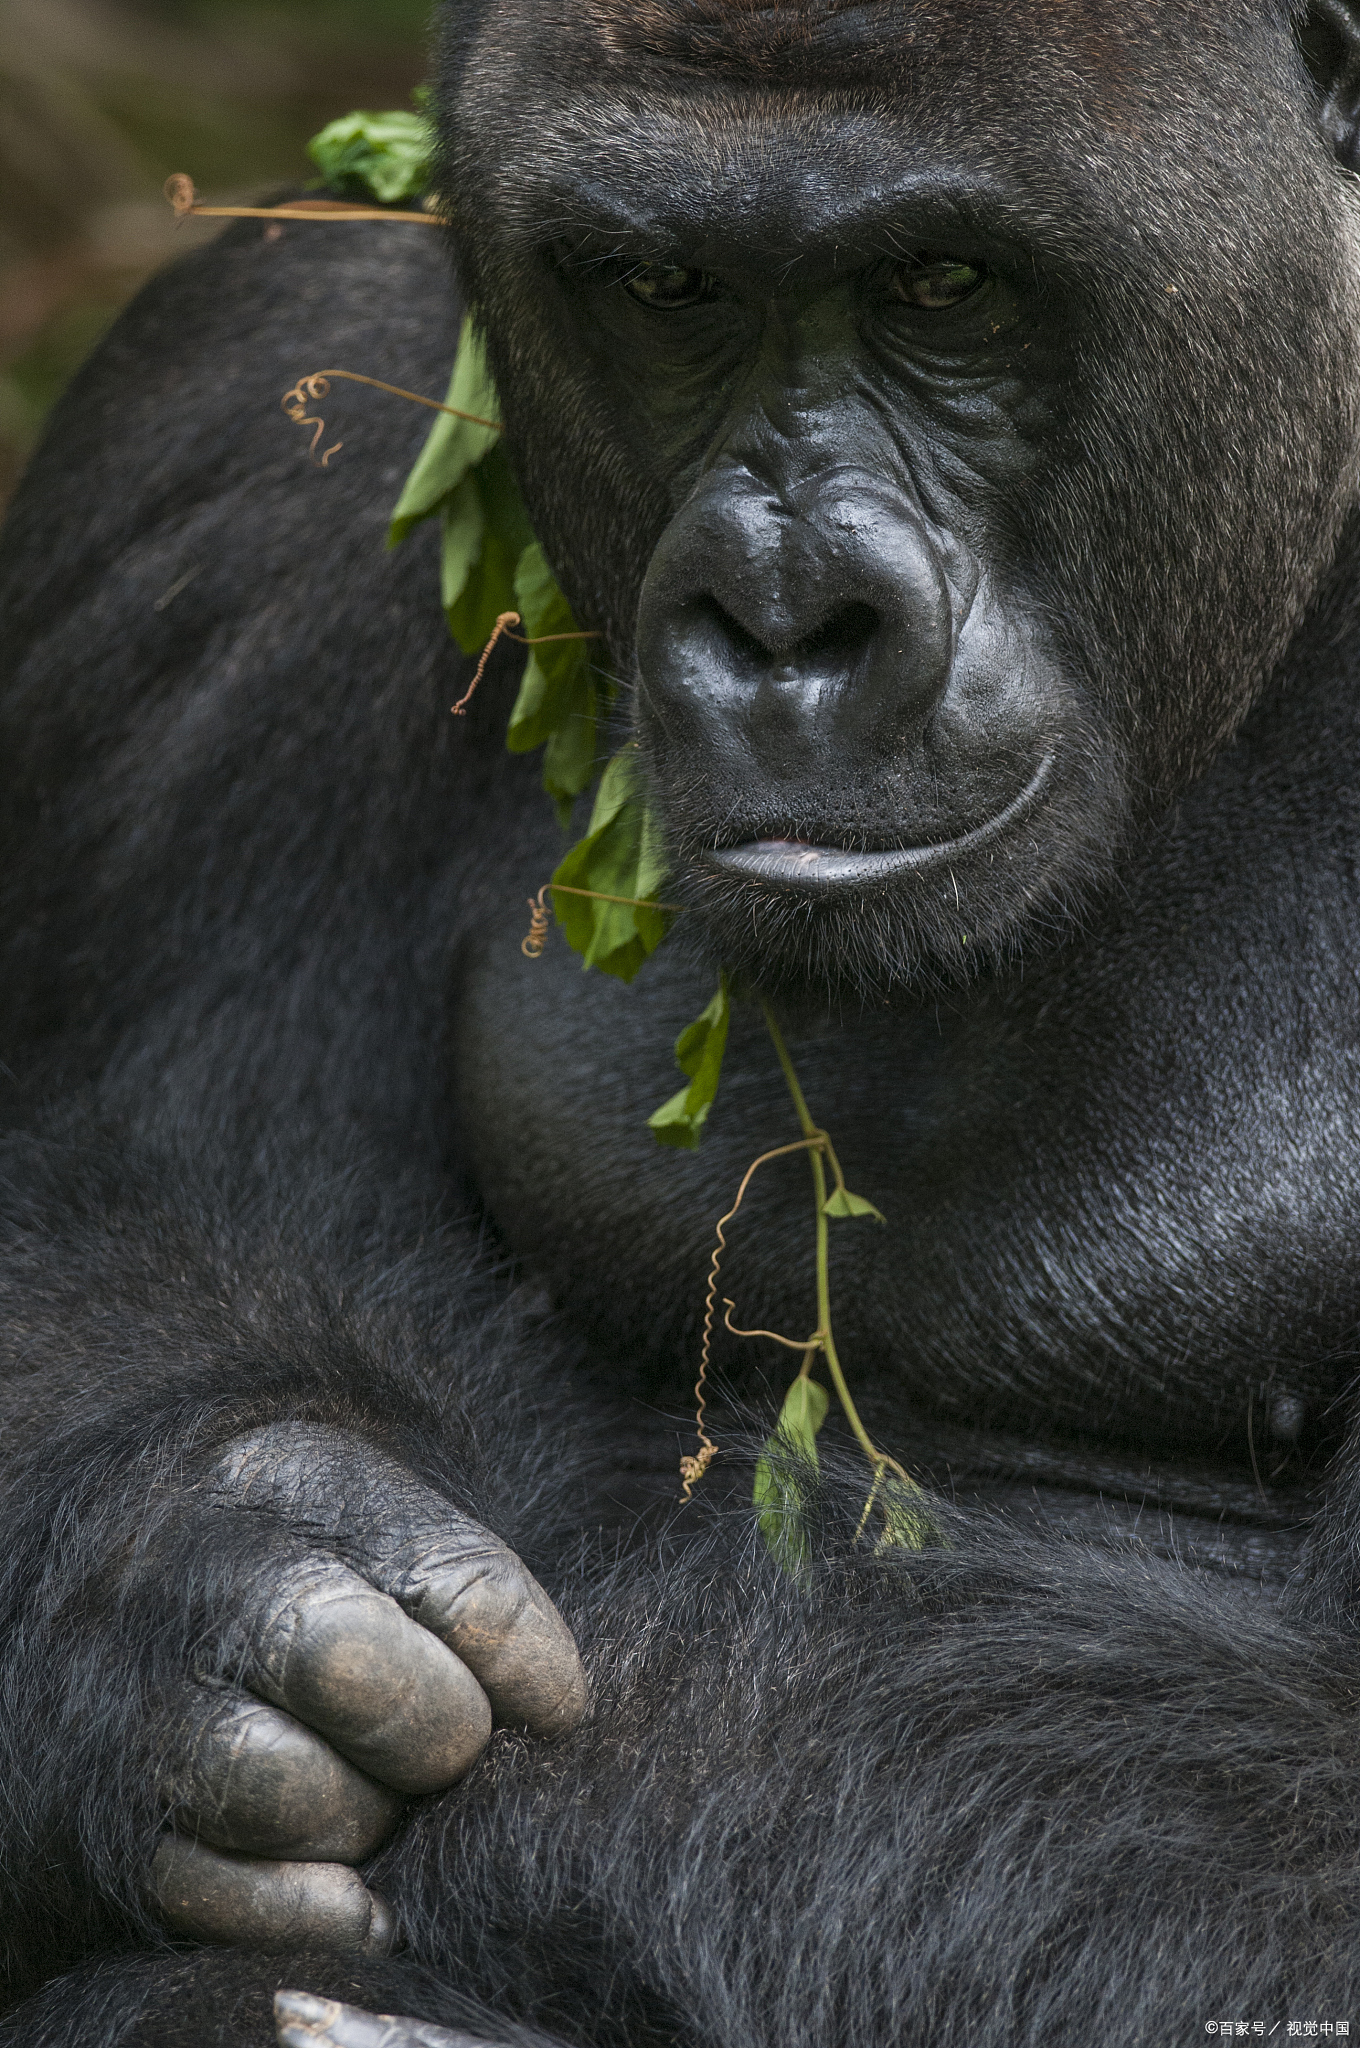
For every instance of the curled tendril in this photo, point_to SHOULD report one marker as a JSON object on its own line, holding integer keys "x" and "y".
{"x": 308, "y": 391}
{"x": 540, "y": 924}
{"x": 179, "y": 190}
{"x": 693, "y": 1469}
{"x": 809, "y": 1346}
{"x": 537, "y": 936}
{"x": 503, "y": 623}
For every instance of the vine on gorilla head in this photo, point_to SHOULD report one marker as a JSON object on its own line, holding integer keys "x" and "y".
{"x": 492, "y": 572}
{"x": 606, "y": 898}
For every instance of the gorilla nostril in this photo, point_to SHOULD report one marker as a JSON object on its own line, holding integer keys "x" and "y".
{"x": 841, "y": 634}
{"x": 845, "y": 631}
{"x": 724, "y": 627}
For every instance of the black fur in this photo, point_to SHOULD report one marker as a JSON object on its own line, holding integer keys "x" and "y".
{"x": 295, "y": 1131}
{"x": 975, "y": 1789}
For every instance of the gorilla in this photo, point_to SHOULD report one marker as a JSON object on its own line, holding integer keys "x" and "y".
{"x": 947, "y": 417}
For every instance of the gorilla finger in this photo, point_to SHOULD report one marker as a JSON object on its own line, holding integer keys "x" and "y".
{"x": 307, "y": 2022}
{"x": 257, "y": 1903}
{"x": 450, "y": 1573}
{"x": 250, "y": 1778}
{"x": 343, "y": 1657}
{"x": 476, "y": 1596}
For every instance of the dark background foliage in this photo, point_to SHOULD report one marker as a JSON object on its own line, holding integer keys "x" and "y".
{"x": 101, "y": 99}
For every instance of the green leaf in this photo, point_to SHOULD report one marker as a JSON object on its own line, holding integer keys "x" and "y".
{"x": 481, "y": 547}
{"x": 464, "y": 534}
{"x": 543, "y": 607}
{"x": 569, "y": 756}
{"x": 490, "y": 564}
{"x": 621, "y": 855}
{"x": 802, "y": 1415}
{"x": 485, "y": 535}
{"x": 699, "y": 1053}
{"x": 505, "y": 513}
{"x": 907, "y": 1523}
{"x": 453, "y": 447}
{"x": 375, "y": 156}
{"x": 558, "y": 703}
{"x": 777, "y": 1491}
{"x": 843, "y": 1203}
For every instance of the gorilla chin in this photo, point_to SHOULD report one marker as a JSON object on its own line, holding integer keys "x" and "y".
{"x": 814, "y": 914}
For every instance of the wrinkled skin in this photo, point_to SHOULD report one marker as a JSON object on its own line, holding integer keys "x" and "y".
{"x": 897, "y": 390}
{"x": 376, "y": 1633}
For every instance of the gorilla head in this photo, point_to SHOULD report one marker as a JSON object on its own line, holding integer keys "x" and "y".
{"x": 881, "y": 345}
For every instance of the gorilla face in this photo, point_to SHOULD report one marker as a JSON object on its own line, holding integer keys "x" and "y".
{"x": 873, "y": 373}
{"x": 853, "y": 716}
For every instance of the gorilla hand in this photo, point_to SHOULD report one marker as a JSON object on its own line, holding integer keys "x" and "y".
{"x": 307, "y": 2022}
{"x": 369, "y": 1632}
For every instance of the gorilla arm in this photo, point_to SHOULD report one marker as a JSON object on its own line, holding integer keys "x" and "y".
{"x": 267, "y": 1632}
{"x": 226, "y": 1031}
{"x": 1050, "y": 1791}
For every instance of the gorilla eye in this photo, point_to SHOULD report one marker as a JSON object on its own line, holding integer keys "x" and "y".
{"x": 658, "y": 285}
{"x": 936, "y": 282}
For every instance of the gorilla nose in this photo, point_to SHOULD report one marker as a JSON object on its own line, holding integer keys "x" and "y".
{"x": 791, "y": 637}
{"x": 784, "y": 625}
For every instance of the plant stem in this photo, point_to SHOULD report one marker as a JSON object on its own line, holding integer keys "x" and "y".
{"x": 828, "y": 1342}
{"x": 809, "y": 1128}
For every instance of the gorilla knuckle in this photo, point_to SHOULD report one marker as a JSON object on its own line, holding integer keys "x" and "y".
{"x": 241, "y": 1775}
{"x": 488, "y": 1607}
{"x": 471, "y": 1595}
{"x": 265, "y": 1903}
{"x": 345, "y": 1659}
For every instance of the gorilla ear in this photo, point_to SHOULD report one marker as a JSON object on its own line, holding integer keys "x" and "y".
{"x": 1329, "y": 37}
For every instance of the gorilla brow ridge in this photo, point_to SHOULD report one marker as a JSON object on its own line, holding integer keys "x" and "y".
{"x": 740, "y": 33}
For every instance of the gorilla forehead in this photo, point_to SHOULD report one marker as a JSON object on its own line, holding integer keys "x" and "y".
{"x": 658, "y": 120}
{"x": 1104, "y": 42}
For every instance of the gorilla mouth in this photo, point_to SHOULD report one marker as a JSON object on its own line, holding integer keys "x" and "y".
{"x": 804, "y": 864}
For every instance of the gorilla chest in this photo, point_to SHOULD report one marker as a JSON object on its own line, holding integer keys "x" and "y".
{"x": 1051, "y": 1258}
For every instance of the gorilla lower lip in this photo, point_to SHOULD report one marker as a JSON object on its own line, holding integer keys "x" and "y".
{"x": 803, "y": 863}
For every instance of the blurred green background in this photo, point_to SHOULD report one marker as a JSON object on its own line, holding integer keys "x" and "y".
{"x": 100, "y": 100}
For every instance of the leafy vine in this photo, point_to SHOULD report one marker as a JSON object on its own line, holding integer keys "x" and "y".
{"x": 605, "y": 892}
